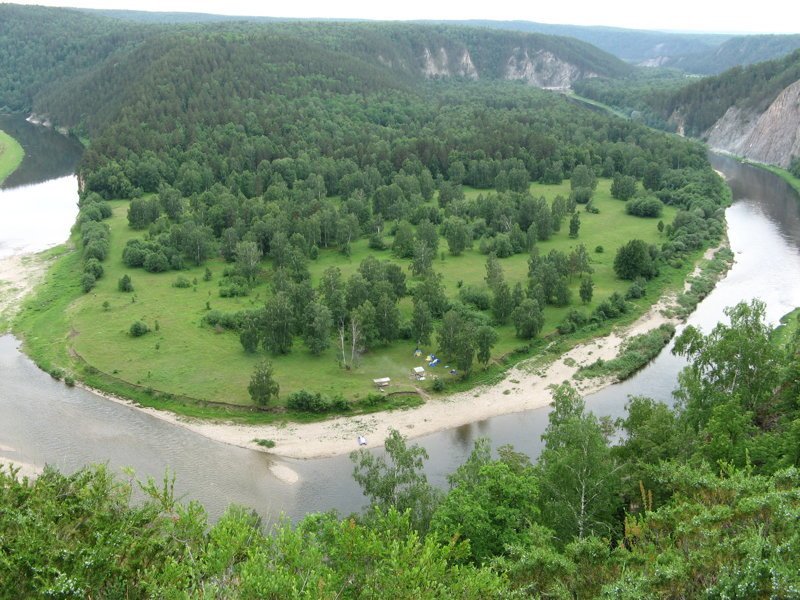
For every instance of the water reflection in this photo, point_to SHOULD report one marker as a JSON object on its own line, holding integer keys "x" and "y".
{"x": 48, "y": 154}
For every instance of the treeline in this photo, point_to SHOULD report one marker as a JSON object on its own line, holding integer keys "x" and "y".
{"x": 695, "y": 500}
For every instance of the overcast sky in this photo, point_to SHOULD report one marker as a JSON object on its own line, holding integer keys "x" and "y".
{"x": 765, "y": 16}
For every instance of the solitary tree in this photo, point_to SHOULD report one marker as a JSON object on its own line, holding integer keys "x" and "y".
{"x": 587, "y": 289}
{"x": 502, "y": 302}
{"x": 248, "y": 259}
{"x": 578, "y": 476}
{"x": 494, "y": 272}
{"x": 528, "y": 319}
{"x": 397, "y": 480}
{"x": 485, "y": 339}
{"x": 422, "y": 260}
{"x": 263, "y": 388}
{"x": 421, "y": 322}
{"x": 623, "y": 187}
{"x": 634, "y": 260}
{"x": 574, "y": 225}
{"x": 125, "y": 284}
{"x": 456, "y": 232}
{"x": 318, "y": 325}
{"x": 278, "y": 324}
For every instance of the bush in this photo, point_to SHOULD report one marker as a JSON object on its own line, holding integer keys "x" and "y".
{"x": 96, "y": 249}
{"x": 94, "y": 267}
{"x": 138, "y": 329}
{"x": 650, "y": 207}
{"x": 125, "y": 284}
{"x": 134, "y": 253}
{"x": 635, "y": 259}
{"x": 265, "y": 443}
{"x": 438, "y": 384}
{"x": 306, "y": 401}
{"x": 88, "y": 282}
{"x": 637, "y": 290}
{"x": 182, "y": 282}
{"x": 794, "y": 168}
{"x": 155, "y": 262}
{"x": 599, "y": 250}
{"x": 477, "y": 297}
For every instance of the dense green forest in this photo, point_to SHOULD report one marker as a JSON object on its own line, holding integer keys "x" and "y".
{"x": 352, "y": 190}
{"x": 42, "y": 48}
{"x": 315, "y": 187}
{"x": 696, "y": 500}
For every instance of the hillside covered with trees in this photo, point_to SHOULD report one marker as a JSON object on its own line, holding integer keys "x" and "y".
{"x": 315, "y": 194}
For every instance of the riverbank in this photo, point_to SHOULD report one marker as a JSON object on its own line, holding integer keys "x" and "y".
{"x": 526, "y": 386}
{"x": 8, "y": 461}
{"x": 19, "y": 274}
{"x": 11, "y": 155}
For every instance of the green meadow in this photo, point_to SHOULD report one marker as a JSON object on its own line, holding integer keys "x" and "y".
{"x": 11, "y": 154}
{"x": 182, "y": 360}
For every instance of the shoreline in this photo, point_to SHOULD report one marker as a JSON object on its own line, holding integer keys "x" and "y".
{"x": 526, "y": 386}
{"x": 19, "y": 274}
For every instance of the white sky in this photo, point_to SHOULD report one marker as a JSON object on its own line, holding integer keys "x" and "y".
{"x": 764, "y": 16}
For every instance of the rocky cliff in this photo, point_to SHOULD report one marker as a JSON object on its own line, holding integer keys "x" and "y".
{"x": 535, "y": 66}
{"x": 772, "y": 136}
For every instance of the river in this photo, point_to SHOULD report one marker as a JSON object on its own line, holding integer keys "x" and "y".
{"x": 44, "y": 422}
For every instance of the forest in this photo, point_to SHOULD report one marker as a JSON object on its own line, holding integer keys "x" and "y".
{"x": 694, "y": 500}
{"x": 261, "y": 197}
{"x": 344, "y": 210}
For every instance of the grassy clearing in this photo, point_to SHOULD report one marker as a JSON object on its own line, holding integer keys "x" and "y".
{"x": 11, "y": 154}
{"x": 193, "y": 369}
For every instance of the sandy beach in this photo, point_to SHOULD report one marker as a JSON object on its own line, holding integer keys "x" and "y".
{"x": 19, "y": 274}
{"x": 7, "y": 460}
{"x": 525, "y": 386}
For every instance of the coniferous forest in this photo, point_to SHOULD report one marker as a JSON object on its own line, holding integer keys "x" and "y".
{"x": 339, "y": 192}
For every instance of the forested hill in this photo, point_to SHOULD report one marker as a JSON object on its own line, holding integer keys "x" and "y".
{"x": 750, "y": 111}
{"x": 741, "y": 50}
{"x": 54, "y": 60}
{"x": 41, "y": 48}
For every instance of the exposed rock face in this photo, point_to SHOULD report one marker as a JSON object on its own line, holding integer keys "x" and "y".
{"x": 439, "y": 64}
{"x": 543, "y": 69}
{"x": 465, "y": 66}
{"x": 540, "y": 68}
{"x": 771, "y": 137}
{"x": 436, "y": 65}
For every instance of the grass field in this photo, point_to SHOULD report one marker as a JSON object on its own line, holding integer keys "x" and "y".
{"x": 63, "y": 328}
{"x": 11, "y": 154}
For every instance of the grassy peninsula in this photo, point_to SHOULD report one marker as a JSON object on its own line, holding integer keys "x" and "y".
{"x": 11, "y": 154}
